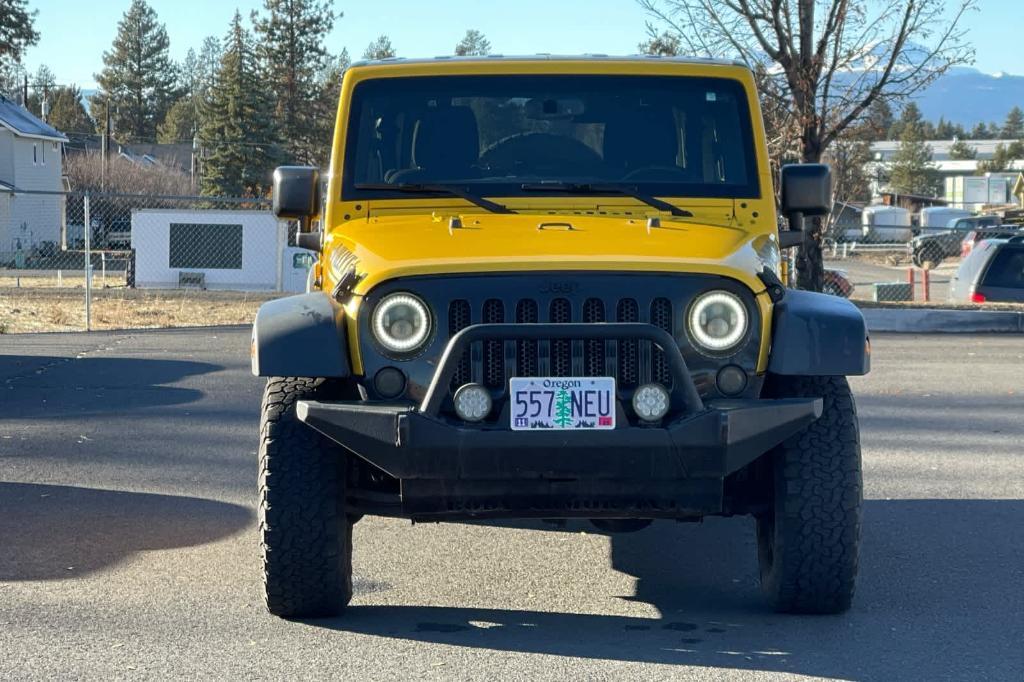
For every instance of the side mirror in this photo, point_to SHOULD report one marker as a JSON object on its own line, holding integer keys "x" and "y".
{"x": 806, "y": 191}
{"x": 297, "y": 194}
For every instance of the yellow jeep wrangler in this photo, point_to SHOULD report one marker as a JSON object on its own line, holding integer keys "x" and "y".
{"x": 547, "y": 288}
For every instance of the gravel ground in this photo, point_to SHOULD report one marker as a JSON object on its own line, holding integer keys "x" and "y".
{"x": 129, "y": 548}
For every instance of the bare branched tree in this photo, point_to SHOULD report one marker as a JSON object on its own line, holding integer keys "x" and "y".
{"x": 822, "y": 63}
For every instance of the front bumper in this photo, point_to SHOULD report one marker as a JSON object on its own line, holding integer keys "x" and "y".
{"x": 695, "y": 441}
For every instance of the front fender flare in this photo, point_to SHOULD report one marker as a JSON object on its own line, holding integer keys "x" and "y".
{"x": 818, "y": 335}
{"x": 300, "y": 336}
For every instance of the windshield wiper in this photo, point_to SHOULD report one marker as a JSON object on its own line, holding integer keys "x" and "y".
{"x": 592, "y": 188}
{"x": 419, "y": 188}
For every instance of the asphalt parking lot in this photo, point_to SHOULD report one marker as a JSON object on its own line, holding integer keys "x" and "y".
{"x": 128, "y": 547}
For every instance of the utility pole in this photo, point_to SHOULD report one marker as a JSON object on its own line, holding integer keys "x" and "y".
{"x": 105, "y": 146}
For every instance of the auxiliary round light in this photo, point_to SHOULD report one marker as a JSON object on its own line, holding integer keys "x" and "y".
{"x": 718, "y": 321}
{"x": 731, "y": 380}
{"x": 472, "y": 402}
{"x": 651, "y": 402}
{"x": 389, "y": 382}
{"x": 401, "y": 323}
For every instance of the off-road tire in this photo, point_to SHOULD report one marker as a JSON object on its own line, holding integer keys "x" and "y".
{"x": 305, "y": 536}
{"x": 809, "y": 540}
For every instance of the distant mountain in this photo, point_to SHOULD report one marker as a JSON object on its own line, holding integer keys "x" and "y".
{"x": 968, "y": 96}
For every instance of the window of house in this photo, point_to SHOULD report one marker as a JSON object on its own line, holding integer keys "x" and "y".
{"x": 35, "y": 153}
{"x": 43, "y": 153}
{"x": 199, "y": 246}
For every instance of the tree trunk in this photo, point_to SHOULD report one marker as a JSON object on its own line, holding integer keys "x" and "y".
{"x": 810, "y": 268}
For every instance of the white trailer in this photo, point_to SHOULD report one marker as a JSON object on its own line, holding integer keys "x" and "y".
{"x": 939, "y": 217}
{"x": 886, "y": 224}
{"x": 215, "y": 249}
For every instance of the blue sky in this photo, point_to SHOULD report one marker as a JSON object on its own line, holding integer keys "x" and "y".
{"x": 74, "y": 34}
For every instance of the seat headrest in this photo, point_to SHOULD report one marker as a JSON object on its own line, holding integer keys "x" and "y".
{"x": 447, "y": 138}
{"x": 640, "y": 138}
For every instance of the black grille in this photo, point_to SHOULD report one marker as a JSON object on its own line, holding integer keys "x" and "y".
{"x": 493, "y": 362}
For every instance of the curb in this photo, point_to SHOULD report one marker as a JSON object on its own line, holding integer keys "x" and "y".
{"x": 937, "y": 321}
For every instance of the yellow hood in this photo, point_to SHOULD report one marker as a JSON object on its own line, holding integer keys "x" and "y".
{"x": 390, "y": 246}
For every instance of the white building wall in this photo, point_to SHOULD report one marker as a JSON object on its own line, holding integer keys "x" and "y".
{"x": 261, "y": 249}
{"x": 35, "y": 164}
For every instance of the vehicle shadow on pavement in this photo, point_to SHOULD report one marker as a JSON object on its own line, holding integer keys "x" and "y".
{"x": 939, "y": 590}
{"x": 76, "y": 387}
{"x": 57, "y": 532}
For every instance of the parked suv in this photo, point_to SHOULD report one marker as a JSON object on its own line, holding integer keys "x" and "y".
{"x": 974, "y": 237}
{"x": 547, "y": 288}
{"x": 929, "y": 249}
{"x": 992, "y": 273}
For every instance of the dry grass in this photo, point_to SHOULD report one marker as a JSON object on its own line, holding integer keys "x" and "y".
{"x": 71, "y": 279}
{"x": 40, "y": 309}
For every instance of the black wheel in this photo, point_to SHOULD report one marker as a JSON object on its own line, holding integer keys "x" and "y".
{"x": 809, "y": 540}
{"x": 305, "y": 536}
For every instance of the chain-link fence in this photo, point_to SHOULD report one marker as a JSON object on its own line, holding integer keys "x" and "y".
{"x": 80, "y": 260}
{"x": 888, "y": 254}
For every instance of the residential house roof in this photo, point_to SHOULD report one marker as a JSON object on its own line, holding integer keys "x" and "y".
{"x": 22, "y": 123}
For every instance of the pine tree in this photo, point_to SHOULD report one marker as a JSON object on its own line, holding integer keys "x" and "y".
{"x": 67, "y": 113}
{"x": 980, "y": 131}
{"x": 912, "y": 171}
{"x": 17, "y": 30}
{"x": 563, "y": 408}
{"x": 961, "y": 151}
{"x": 1003, "y": 159}
{"x": 878, "y": 121}
{"x": 473, "y": 44}
{"x": 291, "y": 45}
{"x": 179, "y": 125}
{"x": 381, "y": 48}
{"x": 1013, "y": 127}
{"x": 238, "y": 130}
{"x": 139, "y": 79}
{"x": 330, "y": 94}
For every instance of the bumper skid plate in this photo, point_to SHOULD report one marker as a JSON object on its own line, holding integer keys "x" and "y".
{"x": 407, "y": 444}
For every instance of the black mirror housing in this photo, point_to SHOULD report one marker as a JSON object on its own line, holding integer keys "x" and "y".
{"x": 297, "y": 194}
{"x": 806, "y": 190}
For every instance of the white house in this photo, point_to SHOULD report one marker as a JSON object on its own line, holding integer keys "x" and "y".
{"x": 31, "y": 159}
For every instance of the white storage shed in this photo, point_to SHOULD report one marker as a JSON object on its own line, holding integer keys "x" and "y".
{"x": 215, "y": 249}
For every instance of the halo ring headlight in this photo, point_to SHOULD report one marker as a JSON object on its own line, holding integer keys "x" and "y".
{"x": 401, "y": 323}
{"x": 718, "y": 321}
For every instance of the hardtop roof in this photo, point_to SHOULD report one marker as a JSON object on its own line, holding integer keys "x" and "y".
{"x": 637, "y": 58}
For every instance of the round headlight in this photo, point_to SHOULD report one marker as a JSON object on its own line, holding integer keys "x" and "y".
{"x": 401, "y": 323}
{"x": 718, "y": 321}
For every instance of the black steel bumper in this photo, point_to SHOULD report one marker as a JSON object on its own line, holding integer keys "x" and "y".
{"x": 695, "y": 441}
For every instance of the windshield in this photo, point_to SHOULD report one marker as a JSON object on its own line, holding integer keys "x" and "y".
{"x": 661, "y": 136}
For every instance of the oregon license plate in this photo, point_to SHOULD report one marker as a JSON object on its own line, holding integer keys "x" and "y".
{"x": 562, "y": 403}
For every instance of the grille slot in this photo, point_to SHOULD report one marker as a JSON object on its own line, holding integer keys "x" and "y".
{"x": 594, "y": 351}
{"x": 629, "y": 352}
{"x": 561, "y": 349}
{"x": 459, "y": 319}
{"x": 526, "y": 351}
{"x": 661, "y": 317}
{"x": 494, "y": 351}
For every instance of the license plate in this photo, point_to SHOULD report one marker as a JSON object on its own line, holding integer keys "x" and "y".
{"x": 565, "y": 403}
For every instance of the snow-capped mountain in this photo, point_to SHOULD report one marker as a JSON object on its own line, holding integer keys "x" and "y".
{"x": 967, "y": 96}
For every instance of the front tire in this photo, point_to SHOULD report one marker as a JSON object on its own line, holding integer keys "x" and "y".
{"x": 305, "y": 535}
{"x": 809, "y": 539}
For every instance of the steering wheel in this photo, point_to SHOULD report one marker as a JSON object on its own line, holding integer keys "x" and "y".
{"x": 656, "y": 173}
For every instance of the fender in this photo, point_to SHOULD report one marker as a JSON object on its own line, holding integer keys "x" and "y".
{"x": 300, "y": 336}
{"x": 818, "y": 335}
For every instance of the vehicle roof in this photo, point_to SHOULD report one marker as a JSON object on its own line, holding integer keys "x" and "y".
{"x": 636, "y": 58}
